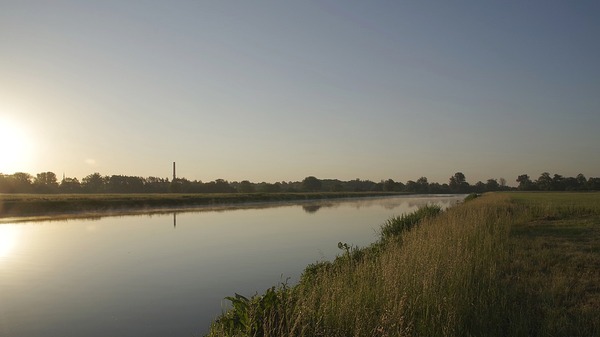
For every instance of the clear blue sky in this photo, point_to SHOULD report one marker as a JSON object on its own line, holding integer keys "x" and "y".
{"x": 280, "y": 90}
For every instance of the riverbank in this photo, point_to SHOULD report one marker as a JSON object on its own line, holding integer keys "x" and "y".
{"x": 512, "y": 264}
{"x": 27, "y": 206}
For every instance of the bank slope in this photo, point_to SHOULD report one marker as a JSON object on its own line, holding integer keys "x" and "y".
{"x": 470, "y": 271}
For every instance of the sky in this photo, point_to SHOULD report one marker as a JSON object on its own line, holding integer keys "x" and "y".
{"x": 281, "y": 90}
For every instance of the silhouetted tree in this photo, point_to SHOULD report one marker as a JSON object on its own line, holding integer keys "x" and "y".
{"x": 218, "y": 186}
{"x": 19, "y": 182}
{"x": 492, "y": 185}
{"x": 70, "y": 185}
{"x": 411, "y": 186}
{"x": 271, "y": 188}
{"x": 438, "y": 188}
{"x": 544, "y": 182}
{"x": 156, "y": 185}
{"x": 581, "y": 182}
{"x": 525, "y": 182}
{"x": 571, "y": 184}
{"x": 176, "y": 186}
{"x": 593, "y": 184}
{"x": 311, "y": 184}
{"x": 336, "y": 187}
{"x": 422, "y": 185}
{"x": 458, "y": 183}
{"x": 46, "y": 182}
{"x": 479, "y": 187}
{"x": 94, "y": 183}
{"x": 125, "y": 184}
{"x": 246, "y": 187}
{"x": 558, "y": 183}
{"x": 502, "y": 183}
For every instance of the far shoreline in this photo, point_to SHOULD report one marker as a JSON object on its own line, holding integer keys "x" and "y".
{"x": 43, "y": 207}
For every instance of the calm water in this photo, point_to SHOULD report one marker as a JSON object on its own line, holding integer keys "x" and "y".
{"x": 167, "y": 274}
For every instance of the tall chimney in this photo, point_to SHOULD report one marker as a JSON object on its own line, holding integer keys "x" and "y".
{"x": 174, "y": 176}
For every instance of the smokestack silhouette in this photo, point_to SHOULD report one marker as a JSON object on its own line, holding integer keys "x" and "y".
{"x": 174, "y": 176}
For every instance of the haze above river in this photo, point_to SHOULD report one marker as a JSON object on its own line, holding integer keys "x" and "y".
{"x": 167, "y": 274}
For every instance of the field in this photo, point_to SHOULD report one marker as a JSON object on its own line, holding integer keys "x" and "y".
{"x": 26, "y": 206}
{"x": 510, "y": 264}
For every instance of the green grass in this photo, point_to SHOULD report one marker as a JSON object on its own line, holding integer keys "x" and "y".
{"x": 500, "y": 265}
{"x": 554, "y": 272}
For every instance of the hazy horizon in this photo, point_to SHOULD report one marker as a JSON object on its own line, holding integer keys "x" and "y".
{"x": 276, "y": 91}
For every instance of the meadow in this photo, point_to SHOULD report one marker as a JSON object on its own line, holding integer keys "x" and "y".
{"x": 504, "y": 264}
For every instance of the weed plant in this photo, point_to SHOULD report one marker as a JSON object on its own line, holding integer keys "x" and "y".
{"x": 499, "y": 265}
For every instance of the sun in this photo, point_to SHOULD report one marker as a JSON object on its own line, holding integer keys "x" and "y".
{"x": 15, "y": 146}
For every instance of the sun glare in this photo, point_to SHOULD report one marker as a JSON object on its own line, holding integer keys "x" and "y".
{"x": 15, "y": 147}
{"x": 9, "y": 235}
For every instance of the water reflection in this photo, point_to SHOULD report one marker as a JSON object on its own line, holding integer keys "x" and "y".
{"x": 137, "y": 275}
{"x": 311, "y": 208}
{"x": 9, "y": 237}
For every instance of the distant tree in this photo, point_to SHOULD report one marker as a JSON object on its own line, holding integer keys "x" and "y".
{"x": 558, "y": 183}
{"x": 311, "y": 184}
{"x": 525, "y": 182}
{"x": 337, "y": 187}
{"x": 125, "y": 184}
{"x": 222, "y": 186}
{"x": 438, "y": 188}
{"x": 4, "y": 184}
{"x": 502, "y": 183}
{"x": 46, "y": 182}
{"x": 246, "y": 187}
{"x": 593, "y": 184}
{"x": 70, "y": 185}
{"x": 544, "y": 182}
{"x": 94, "y": 183}
{"x": 22, "y": 182}
{"x": 422, "y": 185}
{"x": 156, "y": 185}
{"x": 19, "y": 182}
{"x": 358, "y": 185}
{"x": 492, "y": 185}
{"x": 389, "y": 185}
{"x": 218, "y": 186}
{"x": 176, "y": 186}
{"x": 479, "y": 187}
{"x": 411, "y": 186}
{"x": 46, "y": 178}
{"x": 571, "y": 184}
{"x": 581, "y": 182}
{"x": 458, "y": 183}
{"x": 22, "y": 177}
{"x": 271, "y": 188}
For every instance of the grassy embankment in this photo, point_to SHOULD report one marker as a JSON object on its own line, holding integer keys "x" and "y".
{"x": 501, "y": 265}
{"x": 30, "y": 205}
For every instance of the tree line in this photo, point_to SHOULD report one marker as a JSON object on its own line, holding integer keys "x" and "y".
{"x": 47, "y": 182}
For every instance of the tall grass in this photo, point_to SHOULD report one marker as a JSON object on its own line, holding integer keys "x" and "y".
{"x": 451, "y": 274}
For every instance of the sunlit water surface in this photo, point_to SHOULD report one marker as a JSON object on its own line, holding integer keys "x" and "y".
{"x": 167, "y": 274}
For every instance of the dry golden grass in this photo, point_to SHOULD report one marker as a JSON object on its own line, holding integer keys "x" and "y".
{"x": 501, "y": 265}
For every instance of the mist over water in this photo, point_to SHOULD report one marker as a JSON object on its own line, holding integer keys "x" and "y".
{"x": 167, "y": 274}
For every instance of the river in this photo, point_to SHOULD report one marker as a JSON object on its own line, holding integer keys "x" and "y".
{"x": 167, "y": 274}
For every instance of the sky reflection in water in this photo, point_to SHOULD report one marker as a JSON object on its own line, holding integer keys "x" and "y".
{"x": 167, "y": 274}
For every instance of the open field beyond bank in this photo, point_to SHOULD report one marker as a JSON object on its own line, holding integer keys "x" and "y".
{"x": 16, "y": 206}
{"x": 511, "y": 264}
